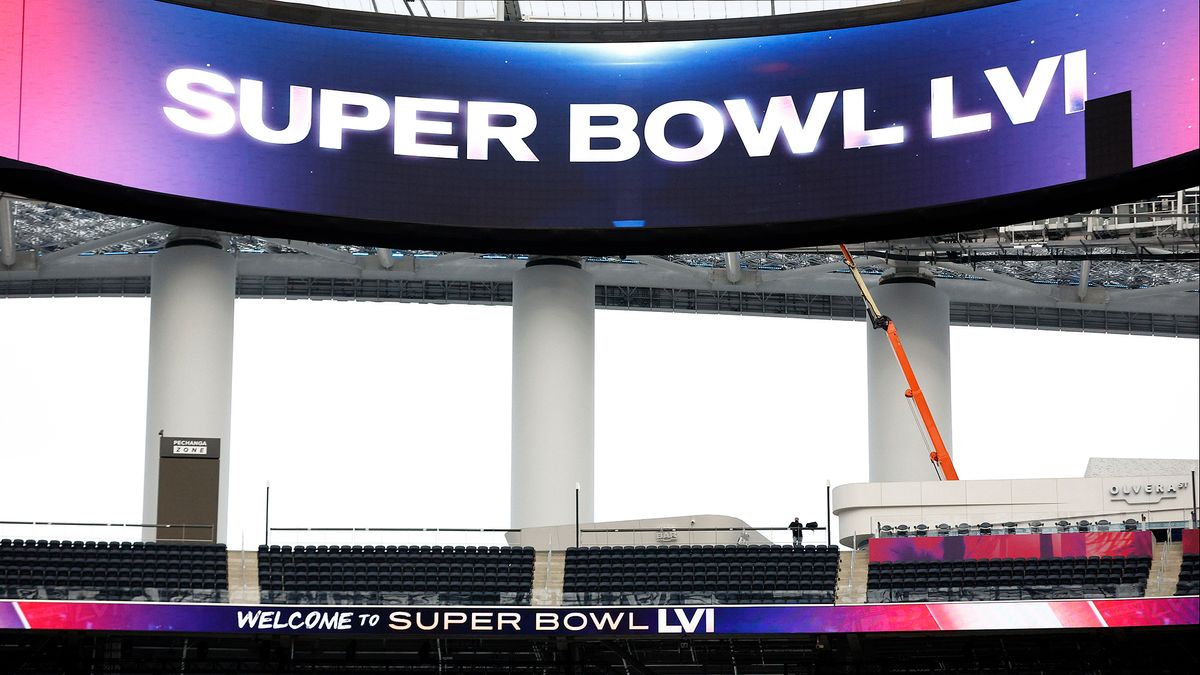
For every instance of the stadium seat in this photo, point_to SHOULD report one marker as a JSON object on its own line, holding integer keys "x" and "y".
{"x": 1007, "y": 579}
{"x": 79, "y": 570}
{"x": 397, "y": 575}
{"x": 700, "y": 575}
{"x": 1189, "y": 575}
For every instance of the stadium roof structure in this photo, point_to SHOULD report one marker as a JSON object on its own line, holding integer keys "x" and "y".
{"x": 1132, "y": 268}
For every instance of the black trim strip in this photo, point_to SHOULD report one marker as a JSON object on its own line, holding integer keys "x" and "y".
{"x": 906, "y": 279}
{"x": 36, "y": 182}
{"x": 562, "y": 262}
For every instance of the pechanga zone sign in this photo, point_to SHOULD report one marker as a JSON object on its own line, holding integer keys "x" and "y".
{"x": 198, "y": 448}
{"x": 900, "y": 128}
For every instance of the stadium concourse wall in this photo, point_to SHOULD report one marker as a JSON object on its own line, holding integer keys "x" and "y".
{"x": 862, "y": 508}
{"x": 478, "y": 622}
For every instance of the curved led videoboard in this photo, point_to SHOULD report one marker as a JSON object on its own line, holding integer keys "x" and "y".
{"x": 875, "y": 131}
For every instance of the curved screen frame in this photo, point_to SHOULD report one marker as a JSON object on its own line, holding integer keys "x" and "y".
{"x": 38, "y": 182}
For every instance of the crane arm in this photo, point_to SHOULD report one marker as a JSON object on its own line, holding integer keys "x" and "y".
{"x": 940, "y": 457}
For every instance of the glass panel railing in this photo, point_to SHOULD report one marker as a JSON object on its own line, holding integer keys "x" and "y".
{"x": 393, "y": 536}
{"x": 304, "y": 597}
{"x": 760, "y": 597}
{"x": 990, "y": 593}
{"x": 130, "y": 594}
{"x": 934, "y": 526}
{"x": 813, "y": 535}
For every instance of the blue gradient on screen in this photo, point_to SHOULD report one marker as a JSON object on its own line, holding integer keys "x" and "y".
{"x": 94, "y": 93}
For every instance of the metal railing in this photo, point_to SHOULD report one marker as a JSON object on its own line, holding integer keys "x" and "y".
{"x": 888, "y": 527}
{"x": 29, "y": 529}
{"x": 689, "y": 536}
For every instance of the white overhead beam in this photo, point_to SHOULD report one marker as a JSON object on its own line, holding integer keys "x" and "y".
{"x": 317, "y": 250}
{"x": 1026, "y": 286}
{"x": 670, "y": 267}
{"x": 1142, "y": 293}
{"x": 93, "y": 244}
{"x": 784, "y": 277}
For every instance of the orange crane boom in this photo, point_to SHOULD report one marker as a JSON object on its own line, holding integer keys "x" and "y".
{"x": 940, "y": 457}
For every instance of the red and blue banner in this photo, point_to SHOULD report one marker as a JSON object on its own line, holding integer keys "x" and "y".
{"x": 614, "y": 621}
{"x": 1001, "y": 546}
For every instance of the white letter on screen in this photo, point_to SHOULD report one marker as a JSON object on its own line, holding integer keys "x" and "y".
{"x": 219, "y": 116}
{"x": 944, "y": 122}
{"x": 582, "y": 132}
{"x": 781, "y": 116}
{"x": 1075, "y": 81}
{"x": 334, "y": 119}
{"x": 252, "y": 114}
{"x": 1022, "y": 108}
{"x": 854, "y": 123}
{"x": 480, "y": 131}
{"x": 712, "y": 130}
{"x": 408, "y": 125}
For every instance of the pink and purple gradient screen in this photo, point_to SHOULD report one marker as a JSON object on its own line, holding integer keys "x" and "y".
{"x": 727, "y": 620}
{"x": 83, "y": 87}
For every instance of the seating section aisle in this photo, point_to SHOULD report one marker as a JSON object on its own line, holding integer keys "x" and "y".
{"x": 714, "y": 574}
{"x": 103, "y": 570}
{"x": 1189, "y": 575}
{"x": 396, "y": 575}
{"x": 1007, "y": 579}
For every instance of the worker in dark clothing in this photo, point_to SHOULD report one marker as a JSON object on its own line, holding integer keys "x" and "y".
{"x": 797, "y": 531}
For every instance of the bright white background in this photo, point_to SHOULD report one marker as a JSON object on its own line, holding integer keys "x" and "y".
{"x": 397, "y": 415}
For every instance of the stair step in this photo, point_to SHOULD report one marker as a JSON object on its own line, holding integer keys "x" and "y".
{"x": 1164, "y": 570}
{"x": 548, "y": 578}
{"x": 243, "y": 577}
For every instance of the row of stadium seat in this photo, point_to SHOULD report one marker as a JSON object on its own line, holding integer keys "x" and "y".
{"x": 1007, "y": 579}
{"x": 56, "y": 545}
{"x": 1189, "y": 575}
{"x": 700, "y": 574}
{"x": 50, "y": 569}
{"x": 396, "y": 575}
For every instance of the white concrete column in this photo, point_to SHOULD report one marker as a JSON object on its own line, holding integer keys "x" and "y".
{"x": 190, "y": 384}
{"x": 899, "y": 450}
{"x": 553, "y": 395}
